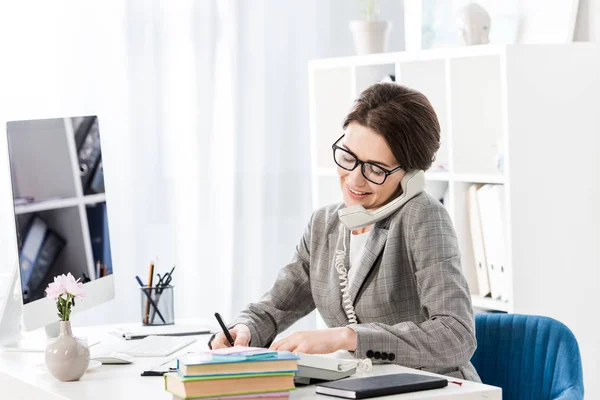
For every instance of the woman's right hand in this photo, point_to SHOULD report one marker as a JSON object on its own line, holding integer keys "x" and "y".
{"x": 240, "y": 334}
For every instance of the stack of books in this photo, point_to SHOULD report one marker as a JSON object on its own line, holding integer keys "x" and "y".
{"x": 234, "y": 373}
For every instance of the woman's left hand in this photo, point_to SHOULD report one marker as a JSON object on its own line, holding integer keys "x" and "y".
{"x": 318, "y": 342}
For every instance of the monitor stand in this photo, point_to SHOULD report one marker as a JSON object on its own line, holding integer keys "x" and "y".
{"x": 11, "y": 338}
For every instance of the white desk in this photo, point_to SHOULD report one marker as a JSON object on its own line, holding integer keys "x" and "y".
{"x": 24, "y": 376}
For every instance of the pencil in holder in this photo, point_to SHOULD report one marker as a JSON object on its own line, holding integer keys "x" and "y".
{"x": 157, "y": 305}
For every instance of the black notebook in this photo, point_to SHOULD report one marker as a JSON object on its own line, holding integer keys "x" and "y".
{"x": 382, "y": 385}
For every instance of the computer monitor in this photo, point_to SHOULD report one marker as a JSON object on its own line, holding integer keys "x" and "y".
{"x": 60, "y": 211}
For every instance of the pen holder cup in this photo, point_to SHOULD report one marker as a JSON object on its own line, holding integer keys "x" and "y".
{"x": 157, "y": 305}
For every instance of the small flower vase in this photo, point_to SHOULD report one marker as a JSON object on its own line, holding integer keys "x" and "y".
{"x": 67, "y": 357}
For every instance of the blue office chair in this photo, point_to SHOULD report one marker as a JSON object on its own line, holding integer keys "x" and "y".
{"x": 529, "y": 357}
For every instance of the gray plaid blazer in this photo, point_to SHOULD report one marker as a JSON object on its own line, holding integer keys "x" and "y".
{"x": 411, "y": 299}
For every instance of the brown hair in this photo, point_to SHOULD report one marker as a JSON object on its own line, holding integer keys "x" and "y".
{"x": 405, "y": 119}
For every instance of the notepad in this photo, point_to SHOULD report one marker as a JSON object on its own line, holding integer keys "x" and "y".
{"x": 241, "y": 353}
{"x": 382, "y": 385}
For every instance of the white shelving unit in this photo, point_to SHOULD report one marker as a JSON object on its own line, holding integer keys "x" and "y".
{"x": 335, "y": 83}
{"x": 470, "y": 90}
{"x": 45, "y": 166}
{"x": 537, "y": 105}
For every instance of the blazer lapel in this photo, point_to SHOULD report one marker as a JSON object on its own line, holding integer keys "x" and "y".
{"x": 373, "y": 247}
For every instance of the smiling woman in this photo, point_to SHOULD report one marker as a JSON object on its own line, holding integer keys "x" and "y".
{"x": 403, "y": 297}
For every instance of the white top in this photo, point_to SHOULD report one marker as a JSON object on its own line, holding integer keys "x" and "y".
{"x": 357, "y": 246}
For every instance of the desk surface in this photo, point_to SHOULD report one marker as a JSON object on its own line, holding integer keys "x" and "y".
{"x": 24, "y": 376}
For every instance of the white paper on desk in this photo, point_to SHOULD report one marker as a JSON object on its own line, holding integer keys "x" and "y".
{"x": 164, "y": 330}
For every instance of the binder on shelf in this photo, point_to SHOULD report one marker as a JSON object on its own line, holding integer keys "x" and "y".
{"x": 99, "y": 236}
{"x": 490, "y": 200}
{"x": 97, "y": 182}
{"x": 34, "y": 238}
{"x": 481, "y": 268}
{"x": 40, "y": 250}
{"x": 87, "y": 140}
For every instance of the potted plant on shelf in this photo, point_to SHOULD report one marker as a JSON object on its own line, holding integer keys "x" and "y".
{"x": 370, "y": 34}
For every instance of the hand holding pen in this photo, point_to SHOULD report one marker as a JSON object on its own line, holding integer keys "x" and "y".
{"x": 239, "y": 335}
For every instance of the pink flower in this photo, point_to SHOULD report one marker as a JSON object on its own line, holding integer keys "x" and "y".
{"x": 65, "y": 284}
{"x": 74, "y": 287}
{"x": 56, "y": 288}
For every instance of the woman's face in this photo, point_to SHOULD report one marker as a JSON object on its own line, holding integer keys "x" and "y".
{"x": 367, "y": 146}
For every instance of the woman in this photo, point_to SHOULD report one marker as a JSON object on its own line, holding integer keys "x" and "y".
{"x": 407, "y": 300}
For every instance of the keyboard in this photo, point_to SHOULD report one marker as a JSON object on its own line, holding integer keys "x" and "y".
{"x": 156, "y": 346}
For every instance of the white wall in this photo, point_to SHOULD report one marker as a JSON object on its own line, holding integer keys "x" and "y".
{"x": 587, "y": 27}
{"x": 55, "y": 63}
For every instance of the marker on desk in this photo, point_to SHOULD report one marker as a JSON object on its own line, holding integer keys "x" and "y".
{"x": 225, "y": 330}
{"x": 150, "y": 299}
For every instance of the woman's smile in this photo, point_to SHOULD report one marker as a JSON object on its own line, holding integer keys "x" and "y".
{"x": 356, "y": 194}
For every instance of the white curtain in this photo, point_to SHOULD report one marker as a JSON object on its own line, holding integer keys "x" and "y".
{"x": 203, "y": 110}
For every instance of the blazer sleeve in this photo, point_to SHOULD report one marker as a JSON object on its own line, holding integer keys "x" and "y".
{"x": 447, "y": 337}
{"x": 288, "y": 300}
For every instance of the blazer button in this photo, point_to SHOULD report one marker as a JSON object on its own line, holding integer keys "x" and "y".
{"x": 370, "y": 353}
{"x": 391, "y": 357}
{"x": 384, "y": 356}
{"x": 377, "y": 355}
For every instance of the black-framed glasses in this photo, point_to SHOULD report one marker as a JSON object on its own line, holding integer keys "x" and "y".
{"x": 345, "y": 159}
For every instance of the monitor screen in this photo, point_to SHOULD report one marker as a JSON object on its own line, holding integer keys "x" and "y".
{"x": 59, "y": 201}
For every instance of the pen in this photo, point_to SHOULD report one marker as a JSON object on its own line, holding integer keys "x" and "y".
{"x": 157, "y": 371}
{"x": 150, "y": 299}
{"x": 150, "y": 276}
{"x": 225, "y": 330}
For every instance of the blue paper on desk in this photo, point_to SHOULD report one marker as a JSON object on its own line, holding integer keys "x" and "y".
{"x": 241, "y": 353}
{"x": 204, "y": 358}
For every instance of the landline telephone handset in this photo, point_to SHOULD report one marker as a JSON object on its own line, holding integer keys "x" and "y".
{"x": 356, "y": 217}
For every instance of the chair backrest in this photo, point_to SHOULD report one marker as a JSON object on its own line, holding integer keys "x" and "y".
{"x": 529, "y": 357}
